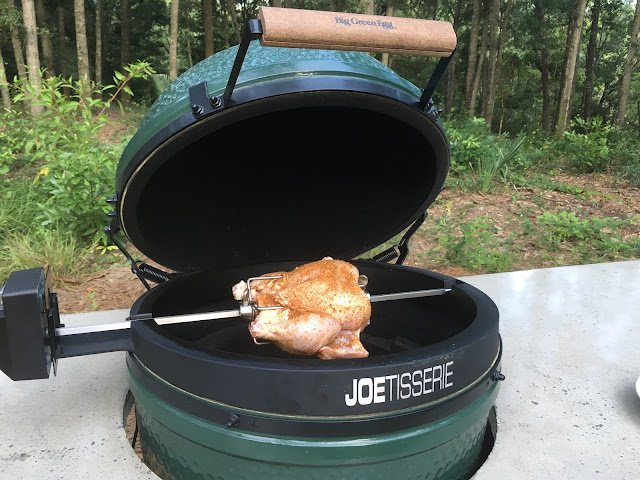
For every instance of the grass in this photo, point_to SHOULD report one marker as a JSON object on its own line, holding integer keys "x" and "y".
{"x": 63, "y": 254}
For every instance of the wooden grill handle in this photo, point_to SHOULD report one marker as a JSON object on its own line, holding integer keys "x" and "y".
{"x": 288, "y": 27}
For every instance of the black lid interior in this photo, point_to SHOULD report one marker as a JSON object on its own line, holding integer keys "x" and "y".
{"x": 332, "y": 173}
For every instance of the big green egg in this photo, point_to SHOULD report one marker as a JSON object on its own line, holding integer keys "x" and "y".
{"x": 315, "y": 153}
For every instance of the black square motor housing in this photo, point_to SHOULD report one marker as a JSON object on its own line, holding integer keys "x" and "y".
{"x": 25, "y": 349}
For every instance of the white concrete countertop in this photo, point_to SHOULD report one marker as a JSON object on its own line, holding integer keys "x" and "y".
{"x": 567, "y": 409}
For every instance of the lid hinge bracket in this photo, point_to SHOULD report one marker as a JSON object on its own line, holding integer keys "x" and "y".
{"x": 401, "y": 249}
{"x": 203, "y": 105}
{"x": 140, "y": 269}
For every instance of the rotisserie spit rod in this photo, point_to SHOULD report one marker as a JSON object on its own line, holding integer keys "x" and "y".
{"x": 246, "y": 311}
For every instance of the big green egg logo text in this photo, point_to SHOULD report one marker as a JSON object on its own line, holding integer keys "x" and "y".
{"x": 347, "y": 22}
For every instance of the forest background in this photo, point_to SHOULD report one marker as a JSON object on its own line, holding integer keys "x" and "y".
{"x": 541, "y": 104}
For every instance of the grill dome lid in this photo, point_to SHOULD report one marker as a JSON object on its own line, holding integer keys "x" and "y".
{"x": 318, "y": 153}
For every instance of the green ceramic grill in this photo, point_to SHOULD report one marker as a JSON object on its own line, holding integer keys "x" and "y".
{"x": 260, "y": 158}
{"x": 290, "y": 147}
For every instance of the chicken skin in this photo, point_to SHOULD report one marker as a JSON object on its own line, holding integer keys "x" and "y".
{"x": 324, "y": 310}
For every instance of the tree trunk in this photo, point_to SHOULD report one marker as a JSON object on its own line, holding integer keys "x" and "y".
{"x": 188, "y": 32}
{"x": 587, "y": 93}
{"x": 125, "y": 42}
{"x": 388, "y": 13}
{"x": 544, "y": 66}
{"x": 573, "y": 46}
{"x": 234, "y": 19}
{"x": 81, "y": 40}
{"x": 207, "y": 20}
{"x": 628, "y": 67}
{"x": 45, "y": 39}
{"x": 4, "y": 88}
{"x": 478, "y": 74}
{"x": 125, "y": 34}
{"x": 16, "y": 43}
{"x": 451, "y": 70}
{"x": 173, "y": 40}
{"x": 33, "y": 58}
{"x": 61, "y": 42}
{"x": 371, "y": 7}
{"x": 504, "y": 22}
{"x": 492, "y": 80}
{"x": 98, "y": 57}
{"x": 570, "y": 27}
{"x": 575, "y": 79}
{"x": 472, "y": 59}
{"x": 62, "y": 47}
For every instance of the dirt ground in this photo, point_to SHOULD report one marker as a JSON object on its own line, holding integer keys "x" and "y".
{"x": 118, "y": 287}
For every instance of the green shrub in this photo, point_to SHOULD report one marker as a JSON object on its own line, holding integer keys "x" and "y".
{"x": 585, "y": 145}
{"x": 469, "y": 140}
{"x": 478, "y": 152}
{"x": 625, "y": 153}
{"x": 477, "y": 246}
{"x": 588, "y": 234}
{"x": 489, "y": 167}
{"x": 75, "y": 168}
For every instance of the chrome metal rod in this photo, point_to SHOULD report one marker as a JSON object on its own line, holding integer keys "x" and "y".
{"x": 412, "y": 294}
{"x": 106, "y": 327}
{"x": 197, "y": 317}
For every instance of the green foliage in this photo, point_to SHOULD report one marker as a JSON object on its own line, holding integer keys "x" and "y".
{"x": 60, "y": 251}
{"x": 18, "y": 207}
{"x": 26, "y": 244}
{"x": 625, "y": 153}
{"x": 478, "y": 152}
{"x": 478, "y": 246}
{"x": 599, "y": 234}
{"x": 537, "y": 180}
{"x": 469, "y": 140}
{"x": 585, "y": 145}
{"x": 489, "y": 167}
{"x": 75, "y": 168}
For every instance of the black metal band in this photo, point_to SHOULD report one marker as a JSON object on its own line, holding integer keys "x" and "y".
{"x": 401, "y": 250}
{"x": 282, "y": 425}
{"x": 435, "y": 78}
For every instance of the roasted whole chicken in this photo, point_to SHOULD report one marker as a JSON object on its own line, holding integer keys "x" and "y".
{"x": 324, "y": 310}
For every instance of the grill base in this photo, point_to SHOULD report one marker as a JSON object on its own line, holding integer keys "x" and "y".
{"x": 178, "y": 445}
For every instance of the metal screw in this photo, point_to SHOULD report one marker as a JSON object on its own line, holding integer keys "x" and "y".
{"x": 497, "y": 376}
{"x": 233, "y": 420}
{"x": 215, "y": 102}
{"x": 197, "y": 110}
